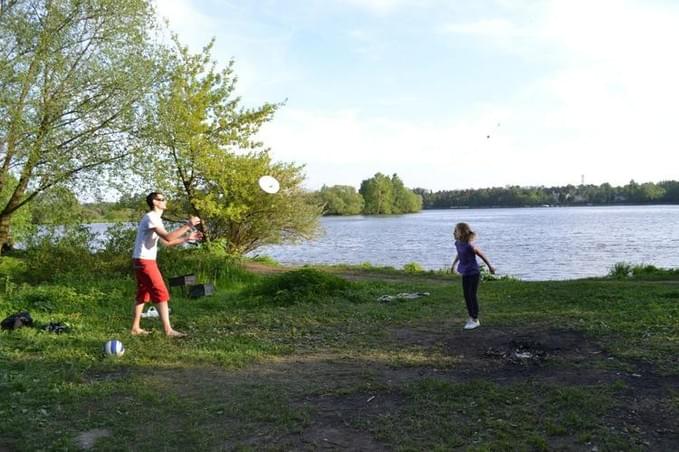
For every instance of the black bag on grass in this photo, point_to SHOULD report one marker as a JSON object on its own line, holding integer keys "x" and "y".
{"x": 17, "y": 320}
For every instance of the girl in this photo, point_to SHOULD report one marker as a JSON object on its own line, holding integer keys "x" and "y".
{"x": 469, "y": 269}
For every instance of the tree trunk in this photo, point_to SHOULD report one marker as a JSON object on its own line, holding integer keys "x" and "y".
{"x": 5, "y": 232}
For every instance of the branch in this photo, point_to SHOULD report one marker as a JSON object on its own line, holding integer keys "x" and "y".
{"x": 65, "y": 176}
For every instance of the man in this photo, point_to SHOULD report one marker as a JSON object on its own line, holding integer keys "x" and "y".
{"x": 150, "y": 284}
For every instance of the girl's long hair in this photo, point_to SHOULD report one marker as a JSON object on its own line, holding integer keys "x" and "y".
{"x": 463, "y": 233}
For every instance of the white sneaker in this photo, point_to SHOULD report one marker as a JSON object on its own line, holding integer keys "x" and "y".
{"x": 471, "y": 324}
{"x": 150, "y": 313}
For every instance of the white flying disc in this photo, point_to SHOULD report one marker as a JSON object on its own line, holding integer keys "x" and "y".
{"x": 269, "y": 184}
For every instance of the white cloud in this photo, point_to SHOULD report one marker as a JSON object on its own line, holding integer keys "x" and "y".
{"x": 379, "y": 6}
{"x": 496, "y": 28}
{"x": 193, "y": 28}
{"x": 345, "y": 147}
{"x": 604, "y": 101}
{"x": 261, "y": 59}
{"x": 609, "y": 105}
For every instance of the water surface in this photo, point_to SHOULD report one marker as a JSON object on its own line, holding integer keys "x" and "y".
{"x": 528, "y": 243}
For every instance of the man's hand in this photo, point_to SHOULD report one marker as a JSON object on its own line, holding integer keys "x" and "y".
{"x": 193, "y": 221}
{"x": 195, "y": 236}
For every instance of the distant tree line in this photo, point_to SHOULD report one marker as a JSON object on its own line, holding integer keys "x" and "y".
{"x": 379, "y": 195}
{"x": 666, "y": 192}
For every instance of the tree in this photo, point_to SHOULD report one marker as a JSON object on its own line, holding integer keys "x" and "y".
{"x": 378, "y": 195}
{"x": 72, "y": 74}
{"x": 57, "y": 206}
{"x": 205, "y": 153}
{"x": 405, "y": 200}
{"x": 20, "y": 223}
{"x": 651, "y": 192}
{"x": 385, "y": 195}
{"x": 240, "y": 216}
{"x": 340, "y": 200}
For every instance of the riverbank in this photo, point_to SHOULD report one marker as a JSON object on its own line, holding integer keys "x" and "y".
{"x": 306, "y": 360}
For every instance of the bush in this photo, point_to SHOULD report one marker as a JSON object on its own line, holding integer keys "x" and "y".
{"x": 302, "y": 286}
{"x": 209, "y": 265}
{"x": 44, "y": 298}
{"x": 623, "y": 270}
{"x": 119, "y": 240}
{"x": 412, "y": 267}
{"x": 264, "y": 259}
{"x": 620, "y": 270}
{"x": 59, "y": 251}
{"x": 486, "y": 275}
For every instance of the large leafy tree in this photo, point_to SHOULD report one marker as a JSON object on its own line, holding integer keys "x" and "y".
{"x": 20, "y": 223}
{"x": 378, "y": 195}
{"x": 72, "y": 74}
{"x": 405, "y": 200}
{"x": 204, "y": 151}
{"x": 340, "y": 200}
{"x": 386, "y": 195}
{"x": 240, "y": 217}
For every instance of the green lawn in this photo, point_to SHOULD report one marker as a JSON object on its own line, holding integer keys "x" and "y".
{"x": 315, "y": 362}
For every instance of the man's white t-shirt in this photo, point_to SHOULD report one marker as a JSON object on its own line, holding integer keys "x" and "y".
{"x": 146, "y": 243}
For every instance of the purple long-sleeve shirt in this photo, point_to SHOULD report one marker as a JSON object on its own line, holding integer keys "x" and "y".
{"x": 467, "y": 257}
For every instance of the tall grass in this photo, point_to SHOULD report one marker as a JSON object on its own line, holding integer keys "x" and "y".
{"x": 625, "y": 270}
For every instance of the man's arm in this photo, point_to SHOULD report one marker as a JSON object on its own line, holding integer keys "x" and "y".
{"x": 178, "y": 236}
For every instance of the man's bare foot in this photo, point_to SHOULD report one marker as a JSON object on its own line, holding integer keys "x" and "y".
{"x": 174, "y": 333}
{"x": 139, "y": 332}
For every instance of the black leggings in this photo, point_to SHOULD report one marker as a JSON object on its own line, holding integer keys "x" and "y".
{"x": 470, "y": 285}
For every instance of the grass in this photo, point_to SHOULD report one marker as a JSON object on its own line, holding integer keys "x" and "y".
{"x": 288, "y": 361}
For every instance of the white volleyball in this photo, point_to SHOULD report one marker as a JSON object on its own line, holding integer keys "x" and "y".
{"x": 114, "y": 348}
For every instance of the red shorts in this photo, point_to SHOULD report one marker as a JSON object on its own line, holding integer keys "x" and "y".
{"x": 150, "y": 284}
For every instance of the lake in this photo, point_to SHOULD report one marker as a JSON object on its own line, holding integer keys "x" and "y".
{"x": 549, "y": 243}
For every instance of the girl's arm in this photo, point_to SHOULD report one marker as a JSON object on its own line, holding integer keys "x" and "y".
{"x": 452, "y": 267}
{"x": 485, "y": 259}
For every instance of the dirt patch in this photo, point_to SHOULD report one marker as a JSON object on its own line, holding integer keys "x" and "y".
{"x": 4, "y": 447}
{"x": 333, "y": 425}
{"x": 263, "y": 269}
{"x": 352, "y": 275}
{"x": 345, "y": 396}
{"x": 87, "y": 440}
{"x": 560, "y": 358}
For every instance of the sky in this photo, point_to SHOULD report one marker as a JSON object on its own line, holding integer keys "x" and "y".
{"x": 454, "y": 94}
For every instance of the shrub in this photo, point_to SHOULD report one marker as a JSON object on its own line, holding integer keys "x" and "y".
{"x": 209, "y": 265}
{"x": 653, "y": 272}
{"x": 301, "y": 286}
{"x": 44, "y": 298}
{"x": 264, "y": 259}
{"x": 119, "y": 240}
{"x": 620, "y": 270}
{"x": 486, "y": 275}
{"x": 623, "y": 270}
{"x": 412, "y": 267}
{"x": 58, "y": 251}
